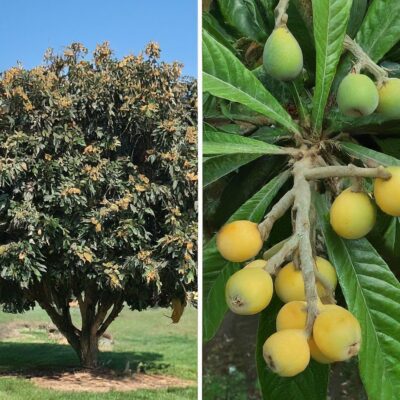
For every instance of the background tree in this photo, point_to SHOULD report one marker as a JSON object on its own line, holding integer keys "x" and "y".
{"x": 98, "y": 188}
{"x": 255, "y": 127}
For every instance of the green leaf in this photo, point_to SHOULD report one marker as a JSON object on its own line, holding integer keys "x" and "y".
{"x": 309, "y": 385}
{"x": 212, "y": 25}
{"x": 367, "y": 155}
{"x": 330, "y": 24}
{"x": 385, "y": 237}
{"x": 218, "y": 270}
{"x": 300, "y": 24}
{"x": 219, "y": 166}
{"x": 244, "y": 17}
{"x": 209, "y": 106}
{"x": 357, "y": 13}
{"x": 225, "y": 76}
{"x": 379, "y": 32}
{"x": 302, "y": 101}
{"x": 390, "y": 146}
{"x": 337, "y": 122}
{"x": 372, "y": 294}
{"x": 228, "y": 143}
{"x": 267, "y": 8}
{"x": 278, "y": 89}
{"x": 239, "y": 112}
{"x": 248, "y": 181}
{"x": 304, "y": 10}
{"x": 391, "y": 238}
{"x": 393, "y": 68}
{"x": 394, "y": 54}
{"x": 215, "y": 306}
{"x": 269, "y": 134}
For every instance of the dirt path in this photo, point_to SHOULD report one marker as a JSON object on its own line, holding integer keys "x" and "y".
{"x": 99, "y": 381}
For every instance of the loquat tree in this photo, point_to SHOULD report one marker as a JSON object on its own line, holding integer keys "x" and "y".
{"x": 97, "y": 189}
{"x": 302, "y": 183}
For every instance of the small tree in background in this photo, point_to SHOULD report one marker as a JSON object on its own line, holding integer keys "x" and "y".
{"x": 98, "y": 188}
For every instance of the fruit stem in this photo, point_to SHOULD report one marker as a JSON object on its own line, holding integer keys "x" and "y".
{"x": 341, "y": 171}
{"x": 277, "y": 211}
{"x": 357, "y": 184}
{"x": 274, "y": 249}
{"x": 364, "y": 61}
{"x": 281, "y": 16}
{"x": 282, "y": 255}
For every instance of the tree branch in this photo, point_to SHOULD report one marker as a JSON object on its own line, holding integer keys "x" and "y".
{"x": 364, "y": 61}
{"x": 282, "y": 255}
{"x": 281, "y": 16}
{"x": 277, "y": 211}
{"x": 103, "y": 308}
{"x": 346, "y": 171}
{"x": 302, "y": 204}
{"x": 61, "y": 321}
{"x": 274, "y": 249}
{"x": 118, "y": 306}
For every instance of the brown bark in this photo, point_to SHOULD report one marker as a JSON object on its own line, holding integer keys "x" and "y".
{"x": 89, "y": 348}
{"x": 95, "y": 313}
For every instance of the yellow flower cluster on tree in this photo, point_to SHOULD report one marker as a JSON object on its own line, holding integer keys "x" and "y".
{"x": 70, "y": 191}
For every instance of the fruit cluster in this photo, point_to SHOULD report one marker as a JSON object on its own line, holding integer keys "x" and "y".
{"x": 336, "y": 334}
{"x": 357, "y": 94}
{"x": 310, "y": 324}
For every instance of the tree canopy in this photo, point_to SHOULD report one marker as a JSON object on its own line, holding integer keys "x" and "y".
{"x": 98, "y": 185}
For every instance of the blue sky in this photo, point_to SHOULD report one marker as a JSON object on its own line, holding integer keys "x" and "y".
{"x": 29, "y": 27}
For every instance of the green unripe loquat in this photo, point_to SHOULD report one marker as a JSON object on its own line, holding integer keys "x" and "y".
{"x": 287, "y": 352}
{"x": 387, "y": 192}
{"x": 352, "y": 214}
{"x": 282, "y": 57}
{"x": 249, "y": 291}
{"x": 239, "y": 241}
{"x": 357, "y": 95}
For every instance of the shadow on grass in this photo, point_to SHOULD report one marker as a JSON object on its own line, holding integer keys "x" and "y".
{"x": 45, "y": 356}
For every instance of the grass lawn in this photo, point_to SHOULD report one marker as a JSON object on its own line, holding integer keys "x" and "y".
{"x": 146, "y": 337}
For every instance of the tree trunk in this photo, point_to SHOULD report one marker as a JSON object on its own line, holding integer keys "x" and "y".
{"x": 89, "y": 350}
{"x": 97, "y": 314}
